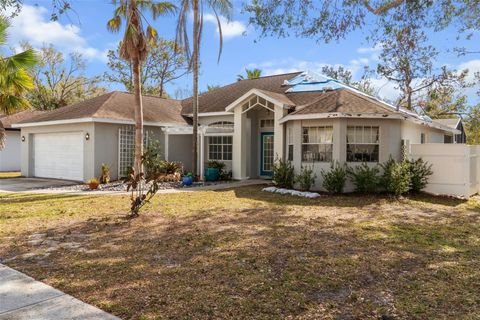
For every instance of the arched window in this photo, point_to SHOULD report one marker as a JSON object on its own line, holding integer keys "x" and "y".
{"x": 221, "y": 125}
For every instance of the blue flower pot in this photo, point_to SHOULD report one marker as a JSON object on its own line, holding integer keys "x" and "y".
{"x": 212, "y": 174}
{"x": 187, "y": 180}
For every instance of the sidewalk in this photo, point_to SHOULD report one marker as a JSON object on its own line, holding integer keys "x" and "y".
{"x": 22, "y": 297}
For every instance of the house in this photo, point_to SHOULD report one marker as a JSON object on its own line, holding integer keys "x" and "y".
{"x": 10, "y": 154}
{"x": 306, "y": 118}
{"x": 454, "y": 123}
{"x": 72, "y": 142}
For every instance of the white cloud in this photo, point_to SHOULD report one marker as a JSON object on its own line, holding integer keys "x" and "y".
{"x": 33, "y": 25}
{"x": 473, "y": 66}
{"x": 230, "y": 29}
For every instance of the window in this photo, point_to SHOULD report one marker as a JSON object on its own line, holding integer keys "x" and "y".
{"x": 362, "y": 144}
{"x": 222, "y": 125}
{"x": 422, "y": 138}
{"x": 290, "y": 144}
{"x": 266, "y": 123}
{"x": 126, "y": 154}
{"x": 317, "y": 144}
{"x": 220, "y": 148}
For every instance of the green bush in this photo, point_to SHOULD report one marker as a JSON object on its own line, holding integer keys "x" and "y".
{"x": 365, "y": 178}
{"x": 306, "y": 178}
{"x": 420, "y": 171}
{"x": 216, "y": 164}
{"x": 152, "y": 158}
{"x": 334, "y": 179}
{"x": 171, "y": 167}
{"x": 105, "y": 176}
{"x": 283, "y": 175}
{"x": 396, "y": 177}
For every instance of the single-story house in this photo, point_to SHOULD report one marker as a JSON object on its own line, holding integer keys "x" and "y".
{"x": 454, "y": 123}
{"x": 10, "y": 154}
{"x": 304, "y": 117}
{"x": 72, "y": 142}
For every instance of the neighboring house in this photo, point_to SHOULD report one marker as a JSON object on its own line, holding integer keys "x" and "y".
{"x": 10, "y": 154}
{"x": 72, "y": 142}
{"x": 454, "y": 123}
{"x": 304, "y": 117}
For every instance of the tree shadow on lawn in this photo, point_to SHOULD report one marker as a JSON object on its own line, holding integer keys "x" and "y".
{"x": 342, "y": 200}
{"x": 16, "y": 198}
{"x": 265, "y": 262}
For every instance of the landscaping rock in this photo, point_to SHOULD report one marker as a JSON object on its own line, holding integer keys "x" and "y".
{"x": 270, "y": 189}
{"x": 311, "y": 195}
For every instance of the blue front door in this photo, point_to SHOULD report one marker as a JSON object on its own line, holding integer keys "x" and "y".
{"x": 266, "y": 154}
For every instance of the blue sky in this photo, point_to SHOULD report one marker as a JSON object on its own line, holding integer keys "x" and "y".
{"x": 85, "y": 32}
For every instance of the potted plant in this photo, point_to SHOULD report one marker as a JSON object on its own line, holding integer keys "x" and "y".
{"x": 213, "y": 169}
{"x": 93, "y": 183}
{"x": 187, "y": 179}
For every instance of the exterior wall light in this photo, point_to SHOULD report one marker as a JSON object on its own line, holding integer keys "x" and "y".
{"x": 87, "y": 136}
{"x": 23, "y": 138}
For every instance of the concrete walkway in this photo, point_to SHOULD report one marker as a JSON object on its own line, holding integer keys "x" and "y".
{"x": 22, "y": 297}
{"x": 34, "y": 185}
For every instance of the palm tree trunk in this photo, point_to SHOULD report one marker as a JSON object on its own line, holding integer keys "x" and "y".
{"x": 195, "y": 88}
{"x": 138, "y": 116}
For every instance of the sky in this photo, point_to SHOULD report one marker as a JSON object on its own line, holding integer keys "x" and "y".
{"x": 84, "y": 30}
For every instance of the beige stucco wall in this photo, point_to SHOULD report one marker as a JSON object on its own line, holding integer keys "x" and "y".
{"x": 106, "y": 145}
{"x": 102, "y": 147}
{"x": 412, "y": 132}
{"x": 10, "y": 155}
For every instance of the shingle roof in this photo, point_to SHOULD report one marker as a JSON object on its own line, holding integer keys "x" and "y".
{"x": 218, "y": 99}
{"x": 451, "y": 122}
{"x": 8, "y": 120}
{"x": 117, "y": 105}
{"x": 345, "y": 101}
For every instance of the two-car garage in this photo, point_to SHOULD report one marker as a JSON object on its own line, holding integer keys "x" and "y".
{"x": 58, "y": 155}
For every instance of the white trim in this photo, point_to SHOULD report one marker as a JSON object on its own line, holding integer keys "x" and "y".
{"x": 312, "y": 116}
{"x": 257, "y": 92}
{"x": 99, "y": 120}
{"x": 211, "y": 114}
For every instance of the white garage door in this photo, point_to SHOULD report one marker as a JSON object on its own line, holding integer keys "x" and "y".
{"x": 58, "y": 155}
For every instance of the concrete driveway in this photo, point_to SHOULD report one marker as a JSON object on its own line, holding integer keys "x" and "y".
{"x": 29, "y": 184}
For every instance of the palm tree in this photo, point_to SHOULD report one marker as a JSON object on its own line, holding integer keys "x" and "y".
{"x": 251, "y": 74}
{"x": 15, "y": 80}
{"x": 219, "y": 8}
{"x": 134, "y": 48}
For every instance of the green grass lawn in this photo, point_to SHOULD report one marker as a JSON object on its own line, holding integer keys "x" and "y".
{"x": 6, "y": 175}
{"x": 242, "y": 254}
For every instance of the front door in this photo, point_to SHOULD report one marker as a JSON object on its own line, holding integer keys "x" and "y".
{"x": 266, "y": 154}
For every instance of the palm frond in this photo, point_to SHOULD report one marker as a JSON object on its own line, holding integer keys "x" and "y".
{"x": 23, "y": 60}
{"x": 4, "y": 24}
{"x": 114, "y": 24}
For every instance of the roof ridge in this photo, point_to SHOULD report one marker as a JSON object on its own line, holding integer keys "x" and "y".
{"x": 272, "y": 75}
{"x": 146, "y": 95}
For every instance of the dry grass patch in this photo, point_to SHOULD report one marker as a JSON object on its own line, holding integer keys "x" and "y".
{"x": 242, "y": 254}
{"x": 7, "y": 175}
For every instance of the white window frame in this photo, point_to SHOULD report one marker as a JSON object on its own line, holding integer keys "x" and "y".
{"x": 318, "y": 141}
{"x": 363, "y": 143}
{"x": 265, "y": 121}
{"x": 222, "y": 146}
{"x": 290, "y": 143}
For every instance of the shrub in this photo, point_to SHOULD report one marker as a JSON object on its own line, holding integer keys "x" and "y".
{"x": 93, "y": 183}
{"x": 306, "y": 178}
{"x": 364, "y": 178}
{"x": 420, "y": 171}
{"x": 170, "y": 167}
{"x": 152, "y": 158}
{"x": 216, "y": 164}
{"x": 396, "y": 177}
{"x": 105, "y": 177}
{"x": 334, "y": 179}
{"x": 283, "y": 175}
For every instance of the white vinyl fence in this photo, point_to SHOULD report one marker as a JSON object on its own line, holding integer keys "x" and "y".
{"x": 456, "y": 167}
